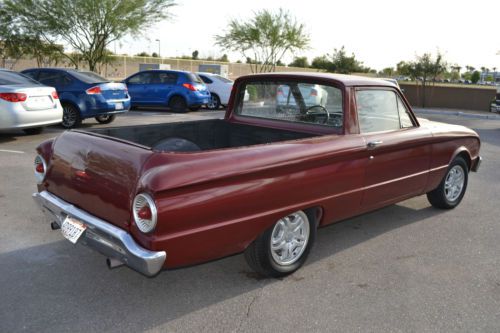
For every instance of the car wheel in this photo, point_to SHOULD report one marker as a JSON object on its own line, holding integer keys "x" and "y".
{"x": 283, "y": 248}
{"x": 195, "y": 107}
{"x": 177, "y": 104}
{"x": 33, "y": 131}
{"x": 71, "y": 116}
{"x": 106, "y": 118}
{"x": 452, "y": 188}
{"x": 213, "y": 102}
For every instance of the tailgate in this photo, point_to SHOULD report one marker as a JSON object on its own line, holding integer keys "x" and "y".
{"x": 113, "y": 90}
{"x": 96, "y": 174}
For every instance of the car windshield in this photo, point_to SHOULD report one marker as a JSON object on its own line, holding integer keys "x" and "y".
{"x": 194, "y": 78}
{"x": 223, "y": 79}
{"x": 291, "y": 101}
{"x": 89, "y": 77}
{"x": 8, "y": 77}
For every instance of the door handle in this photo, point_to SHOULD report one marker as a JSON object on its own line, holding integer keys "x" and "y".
{"x": 373, "y": 144}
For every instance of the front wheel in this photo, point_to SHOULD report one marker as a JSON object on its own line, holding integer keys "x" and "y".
{"x": 452, "y": 188}
{"x": 106, "y": 118}
{"x": 283, "y": 248}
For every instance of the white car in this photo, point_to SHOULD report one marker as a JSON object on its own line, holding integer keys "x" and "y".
{"x": 219, "y": 87}
{"x": 313, "y": 94}
{"x": 27, "y": 104}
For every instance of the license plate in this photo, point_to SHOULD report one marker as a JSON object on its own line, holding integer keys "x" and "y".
{"x": 119, "y": 106}
{"x": 72, "y": 229}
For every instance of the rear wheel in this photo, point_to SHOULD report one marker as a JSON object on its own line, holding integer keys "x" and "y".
{"x": 283, "y": 248}
{"x": 106, "y": 118}
{"x": 33, "y": 131}
{"x": 71, "y": 116}
{"x": 213, "y": 102}
{"x": 177, "y": 104}
{"x": 452, "y": 188}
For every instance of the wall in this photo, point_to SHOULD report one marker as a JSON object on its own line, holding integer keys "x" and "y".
{"x": 453, "y": 97}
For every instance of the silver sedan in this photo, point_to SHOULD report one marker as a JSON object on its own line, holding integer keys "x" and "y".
{"x": 27, "y": 104}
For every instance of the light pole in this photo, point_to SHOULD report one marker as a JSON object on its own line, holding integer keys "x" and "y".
{"x": 159, "y": 53}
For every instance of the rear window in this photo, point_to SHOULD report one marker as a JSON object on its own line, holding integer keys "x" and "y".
{"x": 7, "y": 77}
{"x": 194, "y": 78}
{"x": 88, "y": 77}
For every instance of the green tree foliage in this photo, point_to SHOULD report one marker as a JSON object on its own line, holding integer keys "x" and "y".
{"x": 224, "y": 58}
{"x": 143, "y": 54}
{"x": 475, "y": 77}
{"x": 339, "y": 62}
{"x": 388, "y": 72}
{"x": 299, "y": 62}
{"x": 195, "y": 55}
{"x": 87, "y": 26}
{"x": 265, "y": 39}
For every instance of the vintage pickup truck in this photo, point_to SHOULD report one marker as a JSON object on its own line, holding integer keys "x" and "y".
{"x": 294, "y": 152}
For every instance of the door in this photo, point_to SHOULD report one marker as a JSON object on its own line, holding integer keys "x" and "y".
{"x": 398, "y": 150}
{"x": 160, "y": 86}
{"x": 59, "y": 80}
{"x": 137, "y": 87}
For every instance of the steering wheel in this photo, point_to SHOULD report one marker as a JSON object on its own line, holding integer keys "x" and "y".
{"x": 323, "y": 113}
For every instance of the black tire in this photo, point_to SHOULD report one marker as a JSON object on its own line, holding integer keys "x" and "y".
{"x": 177, "y": 104}
{"x": 33, "y": 131}
{"x": 259, "y": 254}
{"x": 195, "y": 107}
{"x": 442, "y": 197}
{"x": 71, "y": 116}
{"x": 214, "y": 102}
{"x": 106, "y": 118}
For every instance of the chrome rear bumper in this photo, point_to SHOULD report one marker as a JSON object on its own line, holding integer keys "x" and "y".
{"x": 477, "y": 164}
{"x": 102, "y": 236}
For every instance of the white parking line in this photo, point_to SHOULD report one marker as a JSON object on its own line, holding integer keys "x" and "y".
{"x": 11, "y": 151}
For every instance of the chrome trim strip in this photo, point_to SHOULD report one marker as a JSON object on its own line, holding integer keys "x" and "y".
{"x": 102, "y": 236}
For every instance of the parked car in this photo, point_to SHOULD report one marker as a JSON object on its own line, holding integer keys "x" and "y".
{"x": 254, "y": 182}
{"x": 26, "y": 104}
{"x": 312, "y": 94}
{"x": 219, "y": 87}
{"x": 495, "y": 104}
{"x": 83, "y": 94}
{"x": 178, "y": 90}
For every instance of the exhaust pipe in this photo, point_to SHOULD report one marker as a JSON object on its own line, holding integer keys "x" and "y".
{"x": 113, "y": 263}
{"x": 55, "y": 226}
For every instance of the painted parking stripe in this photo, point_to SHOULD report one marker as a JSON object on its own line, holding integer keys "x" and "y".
{"x": 11, "y": 151}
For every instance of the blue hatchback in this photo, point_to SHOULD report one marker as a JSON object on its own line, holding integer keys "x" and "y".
{"x": 178, "y": 90}
{"x": 84, "y": 94}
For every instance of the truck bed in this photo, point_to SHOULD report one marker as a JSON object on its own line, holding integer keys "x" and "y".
{"x": 199, "y": 135}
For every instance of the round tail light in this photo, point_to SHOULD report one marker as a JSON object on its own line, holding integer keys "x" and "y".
{"x": 40, "y": 169}
{"x": 145, "y": 213}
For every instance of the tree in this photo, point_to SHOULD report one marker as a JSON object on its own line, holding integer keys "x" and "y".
{"x": 143, "y": 54}
{"x": 154, "y": 55}
{"x": 425, "y": 69}
{"x": 388, "y": 72}
{"x": 339, "y": 62}
{"x": 265, "y": 39}
{"x": 195, "y": 55}
{"x": 87, "y": 26}
{"x": 299, "y": 62}
{"x": 224, "y": 58}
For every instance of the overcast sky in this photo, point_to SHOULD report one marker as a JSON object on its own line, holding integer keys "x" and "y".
{"x": 379, "y": 32}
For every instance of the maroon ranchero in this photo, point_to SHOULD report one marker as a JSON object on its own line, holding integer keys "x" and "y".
{"x": 295, "y": 152}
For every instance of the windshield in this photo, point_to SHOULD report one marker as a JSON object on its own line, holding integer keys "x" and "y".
{"x": 290, "y": 101}
{"x": 88, "y": 77}
{"x": 8, "y": 77}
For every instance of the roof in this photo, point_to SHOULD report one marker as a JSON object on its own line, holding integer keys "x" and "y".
{"x": 347, "y": 80}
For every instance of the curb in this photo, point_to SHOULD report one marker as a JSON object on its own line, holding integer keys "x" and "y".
{"x": 459, "y": 114}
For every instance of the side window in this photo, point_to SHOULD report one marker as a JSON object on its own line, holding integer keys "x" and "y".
{"x": 404, "y": 115}
{"x": 143, "y": 78}
{"x": 205, "y": 79}
{"x": 377, "y": 110}
{"x": 168, "y": 78}
{"x": 53, "y": 79}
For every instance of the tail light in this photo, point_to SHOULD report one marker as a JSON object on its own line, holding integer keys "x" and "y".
{"x": 280, "y": 91}
{"x": 189, "y": 86}
{"x": 145, "y": 213}
{"x": 55, "y": 95}
{"x": 94, "y": 90}
{"x": 40, "y": 169}
{"x": 314, "y": 92}
{"x": 13, "y": 97}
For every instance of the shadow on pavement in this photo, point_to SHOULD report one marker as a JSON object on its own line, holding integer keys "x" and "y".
{"x": 59, "y": 287}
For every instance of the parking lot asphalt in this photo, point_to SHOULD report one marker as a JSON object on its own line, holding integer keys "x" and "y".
{"x": 405, "y": 268}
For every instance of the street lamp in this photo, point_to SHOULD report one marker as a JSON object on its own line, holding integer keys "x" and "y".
{"x": 159, "y": 54}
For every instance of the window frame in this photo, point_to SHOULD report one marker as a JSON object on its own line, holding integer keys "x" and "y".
{"x": 398, "y": 96}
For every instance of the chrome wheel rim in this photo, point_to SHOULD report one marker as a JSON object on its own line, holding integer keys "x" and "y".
{"x": 454, "y": 183}
{"x": 69, "y": 116}
{"x": 212, "y": 103}
{"x": 289, "y": 238}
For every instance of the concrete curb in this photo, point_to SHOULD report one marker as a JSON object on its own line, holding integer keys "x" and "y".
{"x": 458, "y": 113}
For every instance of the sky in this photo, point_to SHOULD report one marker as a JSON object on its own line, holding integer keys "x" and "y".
{"x": 380, "y": 33}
